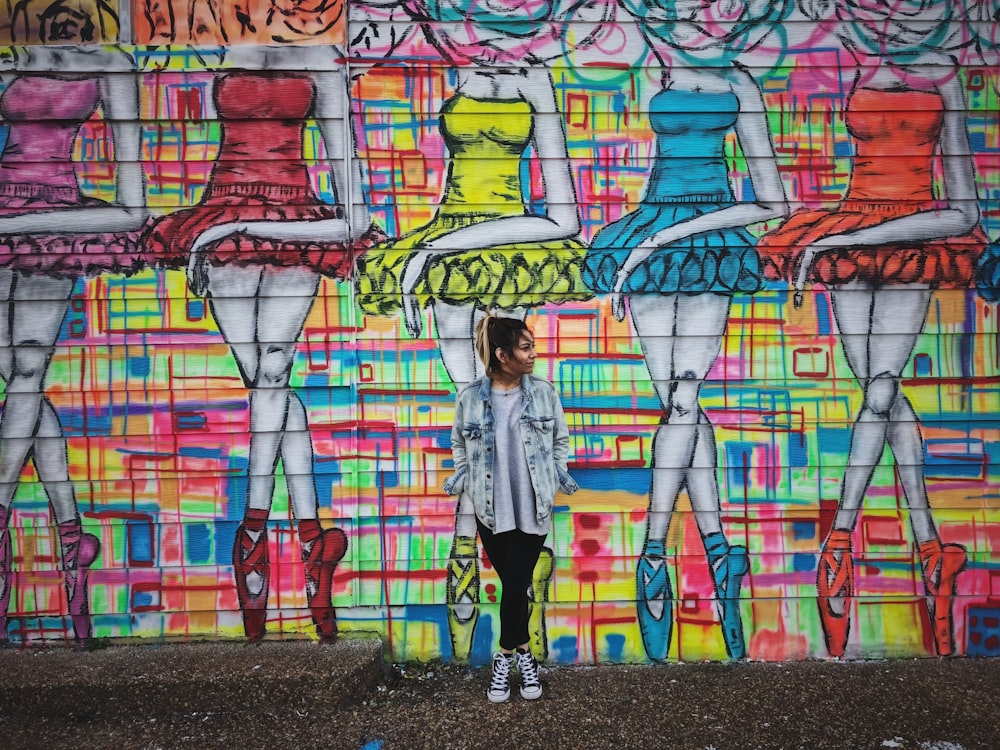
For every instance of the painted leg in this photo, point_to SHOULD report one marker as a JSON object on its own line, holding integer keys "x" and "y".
{"x": 729, "y": 564}
{"x": 79, "y": 550}
{"x": 6, "y": 571}
{"x": 321, "y": 551}
{"x": 654, "y": 600}
{"x": 835, "y": 585}
{"x": 462, "y": 594}
{"x": 537, "y": 596}
{"x": 252, "y": 571}
{"x": 941, "y": 564}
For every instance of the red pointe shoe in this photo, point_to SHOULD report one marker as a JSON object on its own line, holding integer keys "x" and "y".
{"x": 941, "y": 564}
{"x": 252, "y": 571}
{"x": 321, "y": 551}
{"x": 835, "y": 586}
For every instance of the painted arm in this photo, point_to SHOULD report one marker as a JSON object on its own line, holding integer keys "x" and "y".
{"x": 959, "y": 217}
{"x": 119, "y": 96}
{"x": 754, "y": 137}
{"x": 561, "y": 220}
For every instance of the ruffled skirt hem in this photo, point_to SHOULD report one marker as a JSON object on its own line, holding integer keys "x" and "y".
{"x": 944, "y": 263}
{"x": 501, "y": 276}
{"x": 720, "y": 262}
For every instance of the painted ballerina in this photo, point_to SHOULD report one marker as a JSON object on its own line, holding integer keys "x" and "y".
{"x": 679, "y": 259}
{"x": 52, "y": 234}
{"x": 882, "y": 252}
{"x": 504, "y": 102}
{"x": 256, "y": 246}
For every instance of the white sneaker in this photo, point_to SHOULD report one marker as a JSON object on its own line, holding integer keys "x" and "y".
{"x": 499, "y": 691}
{"x": 531, "y": 688}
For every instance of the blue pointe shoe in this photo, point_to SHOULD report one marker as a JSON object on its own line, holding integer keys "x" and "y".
{"x": 728, "y": 571}
{"x": 654, "y": 605}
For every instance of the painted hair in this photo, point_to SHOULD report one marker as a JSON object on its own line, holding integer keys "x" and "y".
{"x": 494, "y": 332}
{"x": 732, "y": 26}
{"x": 983, "y": 18}
{"x": 42, "y": 22}
{"x": 510, "y": 31}
{"x": 897, "y": 27}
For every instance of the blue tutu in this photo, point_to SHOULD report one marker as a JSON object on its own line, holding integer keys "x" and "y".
{"x": 722, "y": 262}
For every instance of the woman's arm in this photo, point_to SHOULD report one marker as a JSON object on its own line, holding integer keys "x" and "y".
{"x": 336, "y": 124}
{"x": 457, "y": 436}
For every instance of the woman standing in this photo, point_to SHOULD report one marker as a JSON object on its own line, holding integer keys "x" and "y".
{"x": 510, "y": 443}
{"x": 51, "y": 234}
{"x": 256, "y": 246}
{"x": 882, "y": 252}
{"x": 679, "y": 258}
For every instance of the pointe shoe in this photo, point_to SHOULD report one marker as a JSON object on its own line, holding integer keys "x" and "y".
{"x": 654, "y": 605}
{"x": 941, "y": 564}
{"x": 727, "y": 572}
{"x": 252, "y": 572}
{"x": 462, "y": 596}
{"x": 835, "y": 586}
{"x": 321, "y": 557}
{"x": 538, "y": 594}
{"x": 80, "y": 550}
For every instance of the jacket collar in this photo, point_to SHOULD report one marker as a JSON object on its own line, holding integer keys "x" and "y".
{"x": 486, "y": 385}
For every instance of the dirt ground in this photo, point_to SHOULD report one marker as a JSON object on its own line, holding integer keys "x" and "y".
{"x": 300, "y": 695}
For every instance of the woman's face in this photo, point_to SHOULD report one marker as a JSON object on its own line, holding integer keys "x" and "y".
{"x": 521, "y": 360}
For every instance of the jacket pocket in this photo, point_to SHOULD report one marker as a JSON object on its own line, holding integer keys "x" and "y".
{"x": 543, "y": 424}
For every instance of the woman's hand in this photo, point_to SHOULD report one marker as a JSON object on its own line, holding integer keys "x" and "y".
{"x": 618, "y": 295}
{"x": 198, "y": 261}
{"x": 806, "y": 261}
{"x": 197, "y": 273}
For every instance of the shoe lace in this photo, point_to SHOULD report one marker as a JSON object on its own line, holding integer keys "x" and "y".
{"x": 501, "y": 673}
{"x": 528, "y": 668}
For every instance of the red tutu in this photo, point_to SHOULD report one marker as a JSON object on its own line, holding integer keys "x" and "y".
{"x": 168, "y": 240}
{"x": 942, "y": 263}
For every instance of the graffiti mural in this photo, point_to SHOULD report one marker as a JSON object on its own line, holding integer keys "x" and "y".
{"x": 243, "y": 247}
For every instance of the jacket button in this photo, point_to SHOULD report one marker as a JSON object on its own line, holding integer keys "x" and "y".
{"x": 489, "y": 476}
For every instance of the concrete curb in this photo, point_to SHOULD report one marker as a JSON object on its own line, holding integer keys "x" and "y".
{"x": 182, "y": 678}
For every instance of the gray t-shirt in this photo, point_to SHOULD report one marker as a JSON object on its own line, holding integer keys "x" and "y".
{"x": 513, "y": 495}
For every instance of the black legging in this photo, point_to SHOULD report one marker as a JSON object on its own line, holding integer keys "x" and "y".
{"x": 513, "y": 555}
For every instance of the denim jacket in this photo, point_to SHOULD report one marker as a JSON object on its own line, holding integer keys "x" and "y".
{"x": 546, "y": 444}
